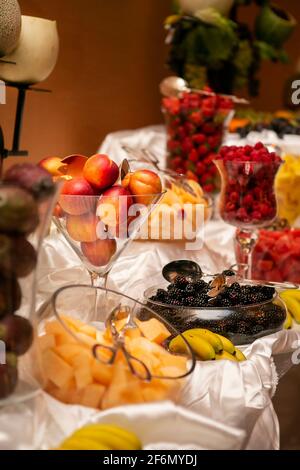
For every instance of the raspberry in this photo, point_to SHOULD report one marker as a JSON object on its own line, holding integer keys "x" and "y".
{"x": 202, "y": 150}
{"x": 193, "y": 155}
{"x": 209, "y": 188}
{"x": 173, "y": 145}
{"x": 200, "y": 168}
{"x": 256, "y": 215}
{"x": 199, "y": 138}
{"x": 259, "y": 146}
{"x": 234, "y": 197}
{"x": 248, "y": 200}
{"x": 242, "y": 214}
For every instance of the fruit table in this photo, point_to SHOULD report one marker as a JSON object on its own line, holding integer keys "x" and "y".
{"x": 236, "y": 397}
{"x": 230, "y": 399}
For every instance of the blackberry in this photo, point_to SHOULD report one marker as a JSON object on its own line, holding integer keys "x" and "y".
{"x": 176, "y": 302}
{"x": 257, "y": 329}
{"x": 200, "y": 285}
{"x": 190, "y": 289}
{"x": 181, "y": 282}
{"x": 161, "y": 295}
{"x": 225, "y": 303}
{"x": 243, "y": 328}
{"x": 190, "y": 301}
{"x": 176, "y": 293}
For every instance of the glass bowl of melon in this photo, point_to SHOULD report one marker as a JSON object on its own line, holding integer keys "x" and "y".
{"x": 112, "y": 355}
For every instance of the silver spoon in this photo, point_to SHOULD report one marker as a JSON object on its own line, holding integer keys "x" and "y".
{"x": 185, "y": 268}
{"x": 174, "y": 86}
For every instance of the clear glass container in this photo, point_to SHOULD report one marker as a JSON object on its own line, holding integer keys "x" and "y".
{"x": 195, "y": 130}
{"x": 110, "y": 357}
{"x": 19, "y": 253}
{"x": 241, "y": 324}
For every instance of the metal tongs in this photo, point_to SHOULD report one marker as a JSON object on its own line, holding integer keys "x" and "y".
{"x": 107, "y": 354}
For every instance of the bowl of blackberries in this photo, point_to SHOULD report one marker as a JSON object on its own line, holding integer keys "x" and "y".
{"x": 238, "y": 310}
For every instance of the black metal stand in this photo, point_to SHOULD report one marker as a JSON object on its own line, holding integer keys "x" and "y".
{"x": 15, "y": 151}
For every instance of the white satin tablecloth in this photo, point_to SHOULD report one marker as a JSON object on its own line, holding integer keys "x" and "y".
{"x": 224, "y": 405}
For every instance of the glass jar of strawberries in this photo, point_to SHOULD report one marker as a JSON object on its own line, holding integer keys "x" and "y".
{"x": 195, "y": 127}
{"x": 248, "y": 196}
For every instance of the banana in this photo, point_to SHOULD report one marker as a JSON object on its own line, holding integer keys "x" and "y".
{"x": 294, "y": 293}
{"x": 77, "y": 443}
{"x": 212, "y": 338}
{"x": 202, "y": 348}
{"x": 240, "y": 356}
{"x": 227, "y": 344}
{"x": 292, "y": 304}
{"x": 289, "y": 322}
{"x": 225, "y": 356}
{"x": 109, "y": 435}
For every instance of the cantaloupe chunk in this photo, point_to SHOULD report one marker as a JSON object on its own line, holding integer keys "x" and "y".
{"x": 101, "y": 373}
{"x": 56, "y": 369}
{"x": 92, "y": 396}
{"x": 46, "y": 342}
{"x": 69, "y": 351}
{"x": 88, "y": 330}
{"x": 145, "y": 346}
{"x": 82, "y": 370}
{"x": 171, "y": 371}
{"x": 154, "y": 330}
{"x": 87, "y": 340}
{"x": 124, "y": 389}
{"x": 170, "y": 360}
{"x": 151, "y": 393}
{"x": 72, "y": 322}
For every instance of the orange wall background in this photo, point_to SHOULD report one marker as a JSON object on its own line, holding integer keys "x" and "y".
{"x": 111, "y": 61}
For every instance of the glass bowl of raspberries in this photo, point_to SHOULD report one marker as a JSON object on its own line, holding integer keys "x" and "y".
{"x": 242, "y": 312}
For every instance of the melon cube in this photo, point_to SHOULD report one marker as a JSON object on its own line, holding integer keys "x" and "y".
{"x": 124, "y": 389}
{"x": 87, "y": 340}
{"x": 151, "y": 393}
{"x": 82, "y": 370}
{"x": 56, "y": 369}
{"x": 171, "y": 371}
{"x": 92, "y": 396}
{"x": 102, "y": 373}
{"x": 154, "y": 330}
{"x": 46, "y": 342}
{"x": 170, "y": 360}
{"x": 88, "y": 330}
{"x": 72, "y": 322}
{"x": 69, "y": 351}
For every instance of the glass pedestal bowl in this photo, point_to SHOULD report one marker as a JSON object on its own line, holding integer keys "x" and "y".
{"x": 115, "y": 356}
{"x": 241, "y": 324}
{"x": 99, "y": 228}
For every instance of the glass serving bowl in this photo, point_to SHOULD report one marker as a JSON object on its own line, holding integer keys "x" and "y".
{"x": 241, "y": 324}
{"x": 115, "y": 356}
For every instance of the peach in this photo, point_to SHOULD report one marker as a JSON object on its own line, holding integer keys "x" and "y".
{"x": 143, "y": 184}
{"x": 100, "y": 171}
{"x": 82, "y": 203}
{"x": 82, "y": 228}
{"x": 53, "y": 165}
{"x": 75, "y": 165}
{"x": 100, "y": 252}
{"x": 113, "y": 206}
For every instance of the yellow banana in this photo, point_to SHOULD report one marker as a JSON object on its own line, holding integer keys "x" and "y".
{"x": 202, "y": 348}
{"x": 225, "y": 356}
{"x": 292, "y": 304}
{"x": 228, "y": 346}
{"x": 239, "y": 355}
{"x": 77, "y": 443}
{"x": 294, "y": 293}
{"x": 288, "y": 322}
{"x": 110, "y": 435}
{"x": 212, "y": 338}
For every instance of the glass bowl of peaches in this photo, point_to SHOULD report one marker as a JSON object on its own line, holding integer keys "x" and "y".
{"x": 116, "y": 355}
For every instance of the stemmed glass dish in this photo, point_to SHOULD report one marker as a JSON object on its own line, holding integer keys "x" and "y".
{"x": 248, "y": 199}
